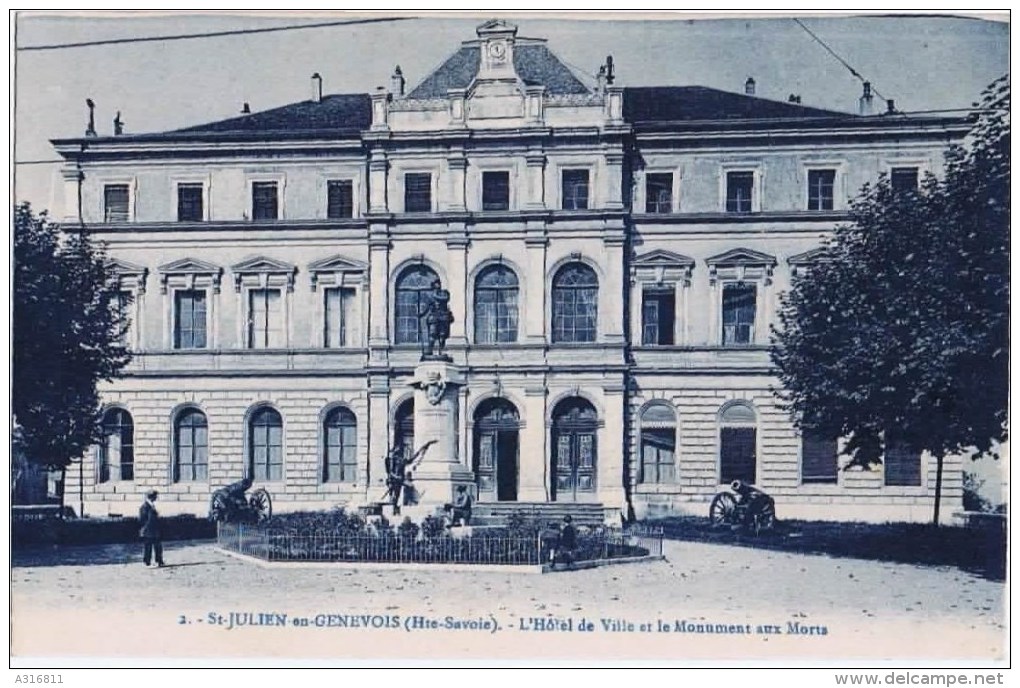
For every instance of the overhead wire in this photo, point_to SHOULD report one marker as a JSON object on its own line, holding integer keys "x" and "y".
{"x": 211, "y": 34}
{"x": 836, "y": 55}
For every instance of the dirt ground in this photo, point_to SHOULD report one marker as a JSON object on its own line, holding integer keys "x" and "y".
{"x": 705, "y": 602}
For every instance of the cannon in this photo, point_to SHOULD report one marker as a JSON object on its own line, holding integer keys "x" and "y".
{"x": 232, "y": 504}
{"x": 743, "y": 506}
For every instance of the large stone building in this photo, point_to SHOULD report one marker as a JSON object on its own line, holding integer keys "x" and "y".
{"x": 614, "y": 257}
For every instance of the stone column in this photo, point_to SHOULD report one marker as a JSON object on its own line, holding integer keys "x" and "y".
{"x": 613, "y": 188}
{"x": 456, "y": 163}
{"x": 72, "y": 177}
{"x": 535, "y": 198}
{"x": 456, "y": 270}
{"x": 534, "y": 326}
{"x": 378, "y": 286}
{"x": 377, "y": 168}
{"x": 611, "y": 449}
{"x": 534, "y": 471}
{"x": 378, "y": 437}
{"x": 611, "y": 314}
{"x": 437, "y": 386}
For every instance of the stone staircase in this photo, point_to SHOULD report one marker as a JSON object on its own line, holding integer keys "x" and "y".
{"x": 497, "y": 513}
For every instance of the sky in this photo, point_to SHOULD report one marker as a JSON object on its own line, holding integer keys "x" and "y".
{"x": 923, "y": 62}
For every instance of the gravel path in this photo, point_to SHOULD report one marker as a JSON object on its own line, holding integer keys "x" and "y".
{"x": 101, "y": 601}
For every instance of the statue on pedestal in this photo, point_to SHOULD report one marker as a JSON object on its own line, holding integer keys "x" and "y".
{"x": 438, "y": 317}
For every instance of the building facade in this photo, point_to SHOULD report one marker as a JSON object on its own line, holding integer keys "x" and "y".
{"x": 615, "y": 258}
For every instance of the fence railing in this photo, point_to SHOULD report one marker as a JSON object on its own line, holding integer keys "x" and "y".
{"x": 269, "y": 544}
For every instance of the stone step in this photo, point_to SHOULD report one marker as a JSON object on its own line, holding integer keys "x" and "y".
{"x": 497, "y": 513}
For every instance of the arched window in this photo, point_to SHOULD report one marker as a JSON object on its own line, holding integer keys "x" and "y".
{"x": 658, "y": 444}
{"x": 496, "y": 305}
{"x": 117, "y": 451}
{"x": 738, "y": 440}
{"x": 412, "y": 287}
{"x": 191, "y": 446}
{"x": 265, "y": 445}
{"x": 340, "y": 435}
{"x": 575, "y": 293}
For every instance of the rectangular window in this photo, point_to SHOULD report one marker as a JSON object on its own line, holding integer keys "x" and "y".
{"x": 116, "y": 203}
{"x": 659, "y": 192}
{"x": 418, "y": 192}
{"x": 265, "y": 201}
{"x": 339, "y": 319}
{"x": 189, "y": 203}
{"x": 903, "y": 179}
{"x": 739, "y": 192}
{"x": 658, "y": 446}
{"x": 902, "y": 466}
{"x": 820, "y": 189}
{"x": 738, "y": 306}
{"x": 339, "y": 199}
{"x": 190, "y": 320}
{"x": 575, "y": 189}
{"x": 658, "y": 314}
{"x": 495, "y": 190}
{"x": 265, "y": 319}
{"x": 818, "y": 459}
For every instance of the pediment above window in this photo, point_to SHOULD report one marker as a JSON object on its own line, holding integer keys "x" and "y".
{"x": 262, "y": 271}
{"x": 741, "y": 264}
{"x": 802, "y": 262}
{"x": 660, "y": 266}
{"x": 190, "y": 272}
{"x": 129, "y": 275}
{"x": 336, "y": 271}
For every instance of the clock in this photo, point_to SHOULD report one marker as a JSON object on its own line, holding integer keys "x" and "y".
{"x": 497, "y": 51}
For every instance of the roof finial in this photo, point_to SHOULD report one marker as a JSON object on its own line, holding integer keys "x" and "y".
{"x": 90, "y": 130}
{"x": 118, "y": 125}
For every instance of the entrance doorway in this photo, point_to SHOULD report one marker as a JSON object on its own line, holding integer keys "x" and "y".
{"x": 496, "y": 452}
{"x": 574, "y": 451}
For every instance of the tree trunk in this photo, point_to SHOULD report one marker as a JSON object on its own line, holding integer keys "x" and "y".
{"x": 938, "y": 488}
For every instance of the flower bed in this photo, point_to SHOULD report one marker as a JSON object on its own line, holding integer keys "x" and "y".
{"x": 341, "y": 536}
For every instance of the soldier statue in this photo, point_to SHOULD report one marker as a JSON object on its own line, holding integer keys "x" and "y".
{"x": 438, "y": 317}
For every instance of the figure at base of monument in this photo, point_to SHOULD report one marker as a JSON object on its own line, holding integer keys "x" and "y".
{"x": 399, "y": 473}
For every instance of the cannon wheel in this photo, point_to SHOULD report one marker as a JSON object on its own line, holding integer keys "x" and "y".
{"x": 723, "y": 507}
{"x": 262, "y": 504}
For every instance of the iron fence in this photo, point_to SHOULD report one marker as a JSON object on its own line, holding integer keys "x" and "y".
{"x": 269, "y": 544}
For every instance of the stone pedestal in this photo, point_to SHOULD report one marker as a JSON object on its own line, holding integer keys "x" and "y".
{"x": 435, "y": 478}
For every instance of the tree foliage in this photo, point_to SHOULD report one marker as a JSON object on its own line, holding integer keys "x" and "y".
{"x": 900, "y": 333}
{"x": 67, "y": 335}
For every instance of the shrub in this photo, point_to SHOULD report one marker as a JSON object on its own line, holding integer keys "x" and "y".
{"x": 408, "y": 529}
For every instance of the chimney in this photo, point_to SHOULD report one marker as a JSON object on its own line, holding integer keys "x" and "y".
{"x": 610, "y": 70}
{"x": 397, "y": 83}
{"x": 316, "y": 88}
{"x": 600, "y": 81}
{"x": 890, "y": 107}
{"x": 866, "y": 105}
{"x": 749, "y": 87}
{"x": 118, "y": 125}
{"x": 245, "y": 108}
{"x": 794, "y": 98}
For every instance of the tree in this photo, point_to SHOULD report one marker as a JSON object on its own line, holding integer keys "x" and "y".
{"x": 67, "y": 331}
{"x": 899, "y": 334}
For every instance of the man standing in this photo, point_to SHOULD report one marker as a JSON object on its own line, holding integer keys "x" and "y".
{"x": 567, "y": 543}
{"x": 151, "y": 531}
